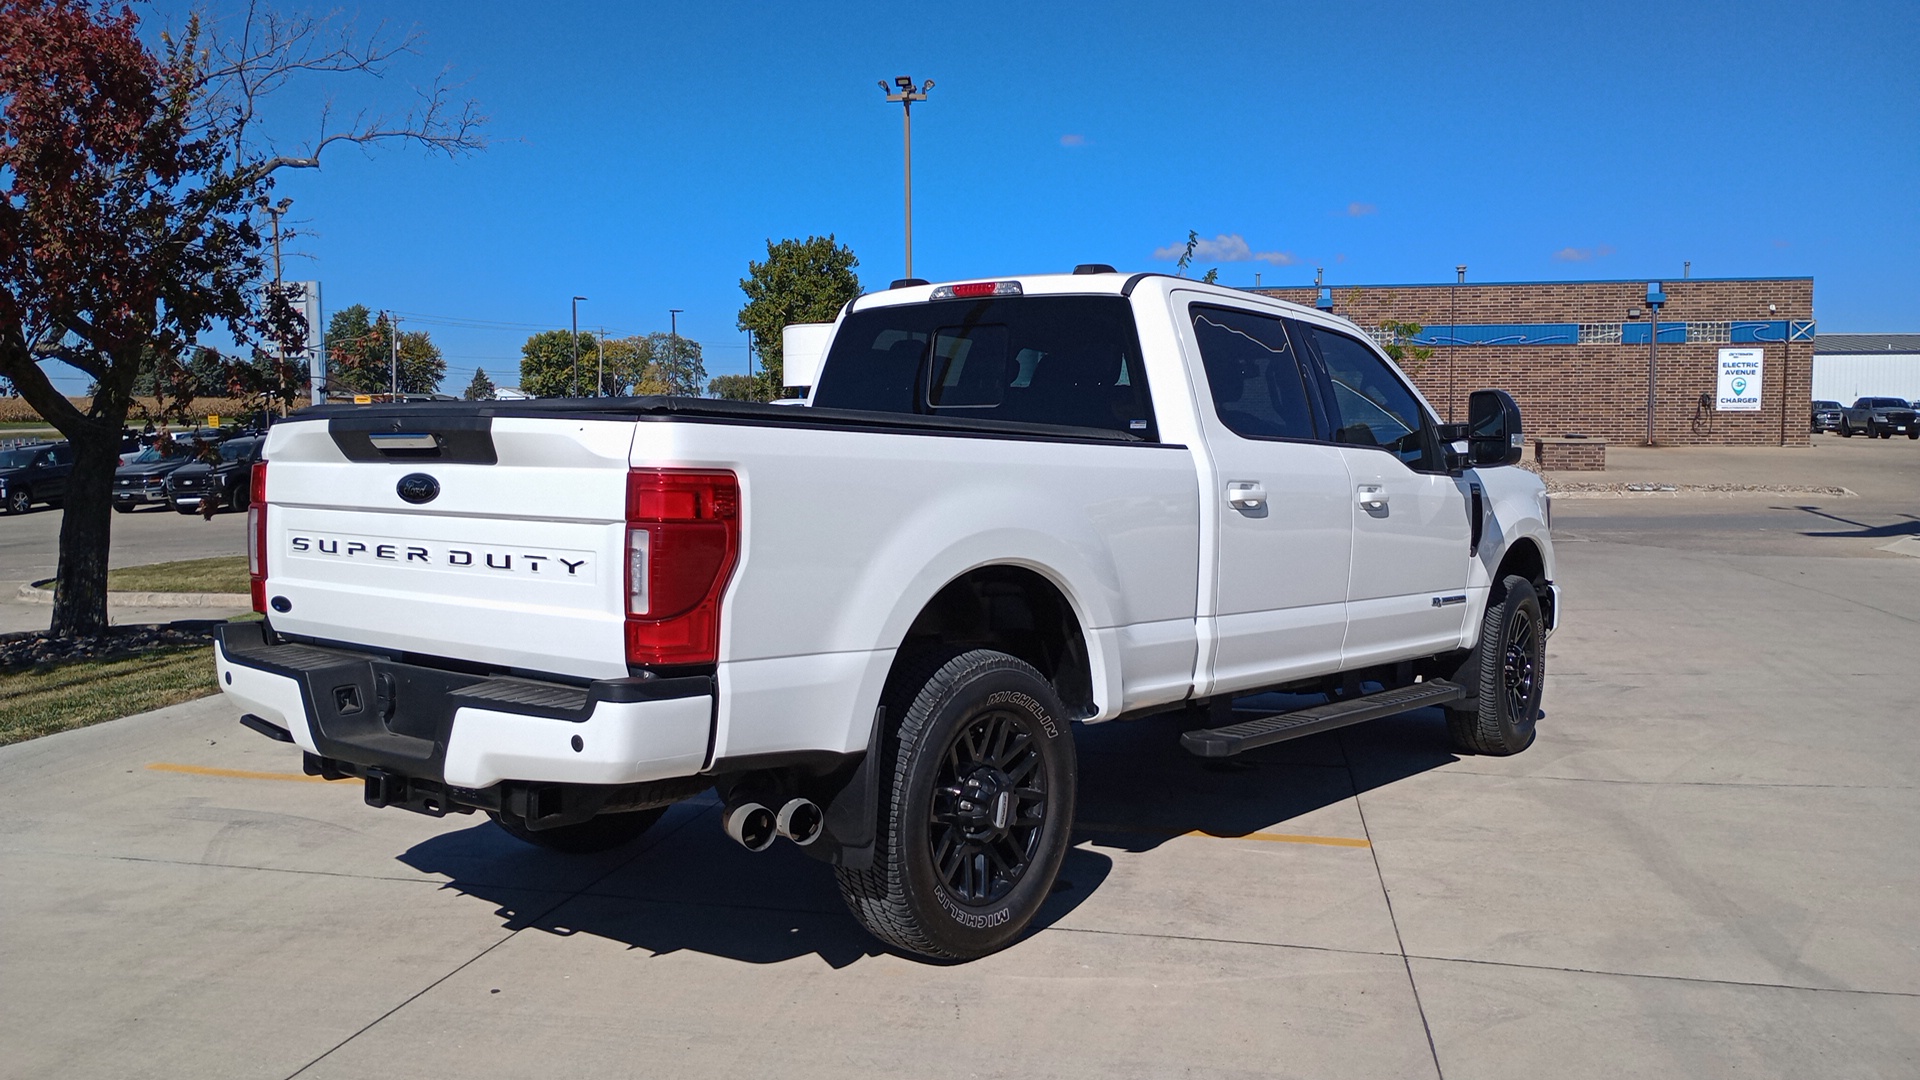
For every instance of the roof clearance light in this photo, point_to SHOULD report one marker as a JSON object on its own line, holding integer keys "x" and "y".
{"x": 976, "y": 288}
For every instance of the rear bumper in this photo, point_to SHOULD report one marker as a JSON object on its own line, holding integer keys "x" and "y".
{"x": 369, "y": 715}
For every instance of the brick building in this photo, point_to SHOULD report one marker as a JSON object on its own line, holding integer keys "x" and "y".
{"x": 1574, "y": 353}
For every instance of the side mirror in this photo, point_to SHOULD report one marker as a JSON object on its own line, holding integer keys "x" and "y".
{"x": 1494, "y": 436}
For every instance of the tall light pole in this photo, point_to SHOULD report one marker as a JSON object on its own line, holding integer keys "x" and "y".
{"x": 673, "y": 321}
{"x": 1656, "y": 296}
{"x": 906, "y": 95}
{"x": 576, "y": 345}
{"x": 600, "y": 376}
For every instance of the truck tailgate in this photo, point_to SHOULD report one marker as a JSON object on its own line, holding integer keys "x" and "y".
{"x": 515, "y": 559}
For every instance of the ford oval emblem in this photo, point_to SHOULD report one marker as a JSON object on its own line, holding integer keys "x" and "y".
{"x": 418, "y": 488}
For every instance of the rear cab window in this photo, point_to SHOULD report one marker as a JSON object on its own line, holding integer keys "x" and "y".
{"x": 1070, "y": 361}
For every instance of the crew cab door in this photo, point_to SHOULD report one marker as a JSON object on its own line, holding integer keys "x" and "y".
{"x": 1407, "y": 595}
{"x": 1278, "y": 500}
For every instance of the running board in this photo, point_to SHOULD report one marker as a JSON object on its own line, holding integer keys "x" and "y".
{"x": 1279, "y": 727}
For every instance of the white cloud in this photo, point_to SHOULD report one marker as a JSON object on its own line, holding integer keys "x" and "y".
{"x": 1225, "y": 248}
{"x": 1361, "y": 209}
{"x": 1578, "y": 254}
{"x": 1073, "y": 140}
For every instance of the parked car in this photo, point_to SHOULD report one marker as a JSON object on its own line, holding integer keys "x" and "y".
{"x": 143, "y": 480}
{"x": 1826, "y": 416}
{"x": 1882, "y": 416}
{"x": 224, "y": 480}
{"x": 34, "y": 474}
{"x": 874, "y": 622}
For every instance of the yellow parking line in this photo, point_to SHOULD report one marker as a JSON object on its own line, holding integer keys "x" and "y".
{"x": 1271, "y": 838}
{"x": 242, "y": 774}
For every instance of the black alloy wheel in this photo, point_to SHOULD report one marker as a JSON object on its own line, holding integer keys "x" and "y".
{"x": 976, "y": 809}
{"x": 19, "y": 501}
{"x": 1506, "y": 675}
{"x": 989, "y": 808}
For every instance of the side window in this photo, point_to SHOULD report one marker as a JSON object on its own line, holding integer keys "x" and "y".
{"x": 1372, "y": 407}
{"x": 1254, "y": 374}
{"x": 63, "y": 454}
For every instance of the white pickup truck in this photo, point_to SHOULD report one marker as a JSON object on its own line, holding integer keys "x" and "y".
{"x": 870, "y": 623}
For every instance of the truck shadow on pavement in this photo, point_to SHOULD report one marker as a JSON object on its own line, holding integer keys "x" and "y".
{"x": 1861, "y": 530}
{"x": 686, "y": 887}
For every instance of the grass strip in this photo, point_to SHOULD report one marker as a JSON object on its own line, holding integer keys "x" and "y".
{"x": 220, "y": 574}
{"x": 42, "y": 701}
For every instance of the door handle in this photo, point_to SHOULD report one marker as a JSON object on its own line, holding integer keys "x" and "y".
{"x": 1372, "y": 498}
{"x": 1246, "y": 495}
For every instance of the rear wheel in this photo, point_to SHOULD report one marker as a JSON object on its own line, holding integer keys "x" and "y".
{"x": 603, "y": 833}
{"x": 19, "y": 501}
{"x": 1499, "y": 719}
{"x": 977, "y": 810}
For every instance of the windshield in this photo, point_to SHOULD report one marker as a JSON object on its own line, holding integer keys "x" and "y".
{"x": 152, "y": 454}
{"x": 237, "y": 450}
{"x": 19, "y": 457}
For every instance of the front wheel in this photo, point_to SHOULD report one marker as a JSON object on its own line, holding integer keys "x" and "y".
{"x": 123, "y": 508}
{"x": 603, "y": 833}
{"x": 19, "y": 501}
{"x": 1846, "y": 430}
{"x": 1512, "y": 670}
{"x": 977, "y": 810}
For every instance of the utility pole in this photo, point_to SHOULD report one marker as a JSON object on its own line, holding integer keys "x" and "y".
{"x": 576, "y": 345}
{"x": 279, "y": 346}
{"x": 600, "y": 380}
{"x": 906, "y": 95}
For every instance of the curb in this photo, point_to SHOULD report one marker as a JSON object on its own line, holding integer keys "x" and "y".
{"x": 150, "y": 599}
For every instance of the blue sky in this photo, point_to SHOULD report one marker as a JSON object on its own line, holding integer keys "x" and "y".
{"x": 645, "y": 152}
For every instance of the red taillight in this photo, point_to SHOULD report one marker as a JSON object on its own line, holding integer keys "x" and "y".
{"x": 683, "y": 537}
{"x": 257, "y": 536}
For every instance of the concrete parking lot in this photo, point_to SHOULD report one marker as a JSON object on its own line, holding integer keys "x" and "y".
{"x": 1703, "y": 868}
{"x": 30, "y": 551}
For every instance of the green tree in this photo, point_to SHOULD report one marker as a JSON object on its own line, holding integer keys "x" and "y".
{"x": 1186, "y": 259}
{"x": 801, "y": 281}
{"x": 629, "y": 362}
{"x": 735, "y": 388}
{"x": 132, "y": 187}
{"x": 674, "y": 364}
{"x": 546, "y": 364}
{"x": 1398, "y": 343}
{"x": 360, "y": 355}
{"x": 481, "y": 388}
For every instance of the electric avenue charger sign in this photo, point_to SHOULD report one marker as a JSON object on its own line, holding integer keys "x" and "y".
{"x": 1740, "y": 380}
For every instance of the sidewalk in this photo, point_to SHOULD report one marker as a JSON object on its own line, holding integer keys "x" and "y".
{"x": 1872, "y": 468}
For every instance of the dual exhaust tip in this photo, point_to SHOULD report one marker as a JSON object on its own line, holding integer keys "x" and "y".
{"x": 754, "y": 826}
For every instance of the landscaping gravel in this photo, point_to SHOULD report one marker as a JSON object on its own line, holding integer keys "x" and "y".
{"x": 19, "y": 652}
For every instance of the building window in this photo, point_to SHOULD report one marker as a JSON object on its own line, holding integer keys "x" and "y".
{"x": 1709, "y": 333}
{"x": 1599, "y": 333}
{"x": 1384, "y": 336}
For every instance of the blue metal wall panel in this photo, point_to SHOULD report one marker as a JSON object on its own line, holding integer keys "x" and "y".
{"x": 1501, "y": 334}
